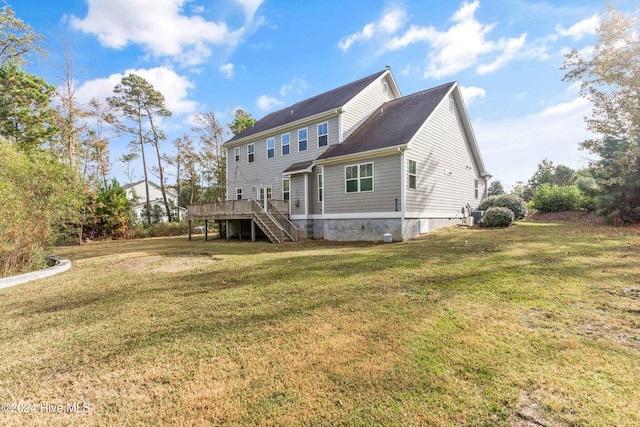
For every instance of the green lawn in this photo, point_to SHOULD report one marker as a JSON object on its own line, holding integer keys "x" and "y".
{"x": 537, "y": 324}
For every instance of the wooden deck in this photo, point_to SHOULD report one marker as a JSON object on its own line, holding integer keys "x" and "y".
{"x": 273, "y": 221}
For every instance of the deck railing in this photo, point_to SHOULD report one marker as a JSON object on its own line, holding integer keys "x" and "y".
{"x": 231, "y": 207}
{"x": 274, "y": 209}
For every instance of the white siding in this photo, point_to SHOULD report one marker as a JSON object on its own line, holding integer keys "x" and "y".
{"x": 446, "y": 169}
{"x": 386, "y": 184}
{"x": 362, "y": 105}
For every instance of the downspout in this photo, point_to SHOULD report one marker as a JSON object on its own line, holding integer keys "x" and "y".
{"x": 306, "y": 195}
{"x": 403, "y": 198}
{"x": 340, "y": 134}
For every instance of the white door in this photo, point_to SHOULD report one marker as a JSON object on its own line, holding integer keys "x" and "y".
{"x": 264, "y": 194}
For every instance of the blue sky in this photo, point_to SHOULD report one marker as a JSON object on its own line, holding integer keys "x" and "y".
{"x": 262, "y": 55}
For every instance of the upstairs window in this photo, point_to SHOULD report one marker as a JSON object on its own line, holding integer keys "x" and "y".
{"x": 413, "y": 177}
{"x": 251, "y": 155}
{"x": 236, "y": 153}
{"x": 323, "y": 134}
{"x": 271, "y": 148}
{"x": 284, "y": 139}
{"x": 302, "y": 140}
{"x": 359, "y": 178}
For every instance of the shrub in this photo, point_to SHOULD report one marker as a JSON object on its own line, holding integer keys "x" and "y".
{"x": 38, "y": 196}
{"x": 497, "y": 217}
{"x": 510, "y": 201}
{"x": 550, "y": 198}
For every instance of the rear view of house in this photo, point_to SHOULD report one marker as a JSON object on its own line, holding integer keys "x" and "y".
{"x": 361, "y": 161}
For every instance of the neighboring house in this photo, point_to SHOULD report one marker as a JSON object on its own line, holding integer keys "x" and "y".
{"x": 360, "y": 161}
{"x": 137, "y": 195}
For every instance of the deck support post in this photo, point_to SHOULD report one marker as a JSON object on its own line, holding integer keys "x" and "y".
{"x": 253, "y": 230}
{"x": 240, "y": 229}
{"x": 189, "y": 229}
{"x": 206, "y": 230}
{"x": 228, "y": 230}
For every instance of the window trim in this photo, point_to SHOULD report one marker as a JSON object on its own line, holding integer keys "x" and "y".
{"x": 288, "y": 144}
{"x": 326, "y": 143}
{"x": 271, "y": 150}
{"x": 239, "y": 193}
{"x": 306, "y": 139}
{"x": 359, "y": 178}
{"x": 414, "y": 175}
{"x": 251, "y": 151}
{"x": 236, "y": 154}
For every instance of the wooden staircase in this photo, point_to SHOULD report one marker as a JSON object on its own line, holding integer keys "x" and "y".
{"x": 277, "y": 230}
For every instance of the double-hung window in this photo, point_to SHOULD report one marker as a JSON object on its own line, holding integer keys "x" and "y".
{"x": 323, "y": 134}
{"x": 251, "y": 153}
{"x": 239, "y": 193}
{"x": 302, "y": 139}
{"x": 271, "y": 148}
{"x": 285, "y": 140}
{"x": 358, "y": 178}
{"x": 476, "y": 188}
{"x": 413, "y": 177}
{"x": 320, "y": 188}
{"x": 236, "y": 153}
{"x": 286, "y": 192}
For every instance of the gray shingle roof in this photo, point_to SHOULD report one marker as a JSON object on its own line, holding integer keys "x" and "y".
{"x": 326, "y": 101}
{"x": 299, "y": 167}
{"x": 393, "y": 124}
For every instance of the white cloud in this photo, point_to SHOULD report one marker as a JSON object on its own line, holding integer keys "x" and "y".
{"x": 581, "y": 29}
{"x": 462, "y": 45}
{"x": 390, "y": 22}
{"x": 174, "y": 87}
{"x": 250, "y": 7}
{"x": 266, "y": 102}
{"x": 227, "y": 70}
{"x": 158, "y": 25}
{"x": 470, "y": 93}
{"x": 296, "y": 85}
{"x": 513, "y": 147}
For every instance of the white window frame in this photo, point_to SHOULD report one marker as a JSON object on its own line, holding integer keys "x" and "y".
{"x": 359, "y": 178}
{"x": 413, "y": 175}
{"x": 476, "y": 188}
{"x": 271, "y": 150}
{"x": 251, "y": 152}
{"x": 306, "y": 139}
{"x": 320, "y": 188}
{"x": 236, "y": 154}
{"x": 286, "y": 194}
{"x": 238, "y": 193}
{"x": 326, "y": 134}
{"x": 288, "y": 144}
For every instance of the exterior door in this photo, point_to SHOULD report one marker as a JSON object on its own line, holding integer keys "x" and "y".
{"x": 264, "y": 194}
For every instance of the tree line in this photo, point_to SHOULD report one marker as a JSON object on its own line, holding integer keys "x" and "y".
{"x": 55, "y": 166}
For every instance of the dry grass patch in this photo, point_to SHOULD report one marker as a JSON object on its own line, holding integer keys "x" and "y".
{"x": 537, "y": 323}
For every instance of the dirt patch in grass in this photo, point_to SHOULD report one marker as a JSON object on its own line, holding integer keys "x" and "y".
{"x": 167, "y": 264}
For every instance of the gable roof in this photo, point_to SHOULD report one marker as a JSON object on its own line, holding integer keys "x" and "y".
{"x": 393, "y": 124}
{"x": 324, "y": 102}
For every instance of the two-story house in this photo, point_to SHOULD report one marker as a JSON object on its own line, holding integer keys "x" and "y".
{"x": 360, "y": 161}
{"x": 136, "y": 194}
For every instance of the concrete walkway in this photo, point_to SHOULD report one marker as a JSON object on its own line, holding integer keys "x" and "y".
{"x": 62, "y": 265}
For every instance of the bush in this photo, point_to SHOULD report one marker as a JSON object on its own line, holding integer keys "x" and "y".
{"x": 510, "y": 201}
{"x": 550, "y": 198}
{"x": 161, "y": 229}
{"x": 38, "y": 196}
{"x": 497, "y": 217}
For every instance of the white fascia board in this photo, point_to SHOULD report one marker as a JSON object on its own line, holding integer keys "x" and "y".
{"x": 297, "y": 123}
{"x": 433, "y": 214}
{"x": 364, "y": 155}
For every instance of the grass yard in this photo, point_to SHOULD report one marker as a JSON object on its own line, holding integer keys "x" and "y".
{"x": 537, "y": 324}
